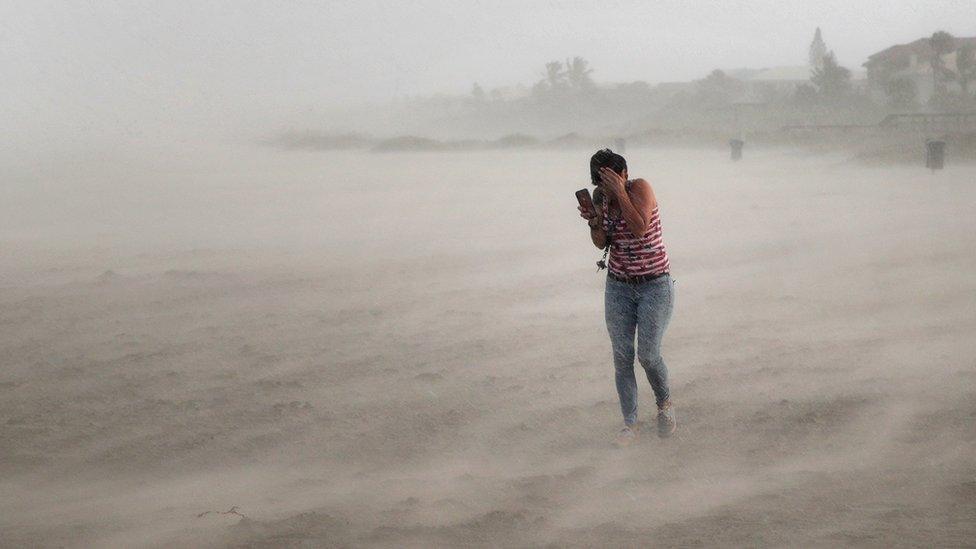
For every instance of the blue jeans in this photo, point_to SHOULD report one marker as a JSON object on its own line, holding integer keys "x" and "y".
{"x": 644, "y": 308}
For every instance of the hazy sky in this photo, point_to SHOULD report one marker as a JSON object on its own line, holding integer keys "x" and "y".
{"x": 127, "y": 65}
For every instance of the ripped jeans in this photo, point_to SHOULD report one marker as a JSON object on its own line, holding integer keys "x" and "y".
{"x": 645, "y": 308}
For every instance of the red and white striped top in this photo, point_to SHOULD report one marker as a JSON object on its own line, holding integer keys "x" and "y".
{"x": 633, "y": 256}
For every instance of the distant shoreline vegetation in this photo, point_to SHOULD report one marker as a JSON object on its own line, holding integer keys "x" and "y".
{"x": 318, "y": 141}
{"x": 868, "y": 144}
{"x": 907, "y": 93}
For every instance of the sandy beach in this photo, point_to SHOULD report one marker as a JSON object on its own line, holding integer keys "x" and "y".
{"x": 244, "y": 347}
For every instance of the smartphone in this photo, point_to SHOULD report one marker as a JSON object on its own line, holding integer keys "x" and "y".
{"x": 583, "y": 196}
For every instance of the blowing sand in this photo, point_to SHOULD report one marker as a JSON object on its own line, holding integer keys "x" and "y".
{"x": 409, "y": 350}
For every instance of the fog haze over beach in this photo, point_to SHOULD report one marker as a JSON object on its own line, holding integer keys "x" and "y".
{"x": 280, "y": 276}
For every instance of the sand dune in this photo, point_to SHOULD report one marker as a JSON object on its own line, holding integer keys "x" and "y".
{"x": 408, "y": 350}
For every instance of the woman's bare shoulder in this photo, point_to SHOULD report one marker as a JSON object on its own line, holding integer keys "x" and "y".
{"x": 645, "y": 192}
{"x": 643, "y": 185}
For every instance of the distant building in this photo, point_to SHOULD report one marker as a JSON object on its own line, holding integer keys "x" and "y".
{"x": 785, "y": 79}
{"x": 765, "y": 84}
{"x": 911, "y": 62}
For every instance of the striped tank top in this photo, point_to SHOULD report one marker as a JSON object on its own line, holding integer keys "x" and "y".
{"x": 631, "y": 255}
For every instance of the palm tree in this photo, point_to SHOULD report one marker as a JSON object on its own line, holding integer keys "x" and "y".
{"x": 578, "y": 74}
{"x": 966, "y": 65}
{"x": 941, "y": 43}
{"x": 555, "y": 75}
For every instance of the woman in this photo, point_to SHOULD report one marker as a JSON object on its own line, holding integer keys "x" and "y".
{"x": 639, "y": 290}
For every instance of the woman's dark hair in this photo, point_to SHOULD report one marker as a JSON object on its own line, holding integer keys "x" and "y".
{"x": 606, "y": 158}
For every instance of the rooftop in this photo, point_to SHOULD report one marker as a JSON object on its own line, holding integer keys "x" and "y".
{"x": 780, "y": 74}
{"x": 921, "y": 48}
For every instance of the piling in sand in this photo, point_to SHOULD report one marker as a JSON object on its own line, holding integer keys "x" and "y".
{"x": 620, "y": 145}
{"x": 934, "y": 154}
{"x": 736, "y": 145}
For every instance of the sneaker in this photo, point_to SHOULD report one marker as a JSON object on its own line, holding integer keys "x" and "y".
{"x": 627, "y": 435}
{"x": 665, "y": 420}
